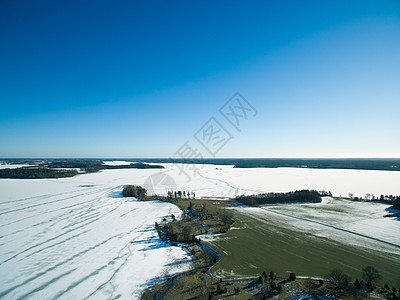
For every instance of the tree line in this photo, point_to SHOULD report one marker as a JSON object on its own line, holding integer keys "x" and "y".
{"x": 272, "y": 198}
{"x": 94, "y": 166}
{"x": 370, "y": 278}
{"x": 36, "y": 173}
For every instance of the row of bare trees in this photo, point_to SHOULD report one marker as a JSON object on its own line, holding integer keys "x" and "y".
{"x": 181, "y": 194}
{"x": 341, "y": 281}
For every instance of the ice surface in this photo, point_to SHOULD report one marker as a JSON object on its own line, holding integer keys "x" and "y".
{"x": 6, "y": 166}
{"x": 117, "y": 162}
{"x": 227, "y": 181}
{"x": 77, "y": 238}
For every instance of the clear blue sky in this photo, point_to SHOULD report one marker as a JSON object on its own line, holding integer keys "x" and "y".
{"x": 139, "y": 78}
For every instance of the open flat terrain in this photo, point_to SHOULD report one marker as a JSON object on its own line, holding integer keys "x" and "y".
{"x": 71, "y": 237}
{"x": 310, "y": 240}
{"x": 77, "y": 238}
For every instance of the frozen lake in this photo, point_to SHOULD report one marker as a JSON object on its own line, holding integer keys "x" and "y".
{"x": 77, "y": 238}
{"x": 227, "y": 181}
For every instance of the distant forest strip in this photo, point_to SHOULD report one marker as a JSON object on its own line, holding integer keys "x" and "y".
{"x": 383, "y": 164}
{"x": 36, "y": 173}
{"x": 59, "y": 169}
{"x": 274, "y": 198}
{"x": 94, "y": 165}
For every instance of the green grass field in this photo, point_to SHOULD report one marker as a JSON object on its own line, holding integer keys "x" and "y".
{"x": 264, "y": 241}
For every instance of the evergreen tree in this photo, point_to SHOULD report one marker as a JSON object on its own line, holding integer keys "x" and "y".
{"x": 357, "y": 284}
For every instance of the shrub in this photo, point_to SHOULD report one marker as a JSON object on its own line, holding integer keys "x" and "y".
{"x": 292, "y": 276}
{"x": 221, "y": 290}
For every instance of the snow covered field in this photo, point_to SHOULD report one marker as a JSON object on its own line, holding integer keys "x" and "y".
{"x": 117, "y": 162}
{"x": 77, "y": 238}
{"x": 226, "y": 181}
{"x": 5, "y": 166}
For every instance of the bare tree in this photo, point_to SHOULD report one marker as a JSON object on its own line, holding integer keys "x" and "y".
{"x": 206, "y": 255}
{"x": 371, "y": 275}
{"x": 204, "y": 289}
{"x": 338, "y": 279}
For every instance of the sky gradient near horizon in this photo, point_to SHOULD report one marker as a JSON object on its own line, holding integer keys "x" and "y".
{"x": 140, "y": 78}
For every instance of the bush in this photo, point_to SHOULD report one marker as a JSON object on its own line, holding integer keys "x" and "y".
{"x": 396, "y": 203}
{"x": 221, "y": 290}
{"x": 292, "y": 276}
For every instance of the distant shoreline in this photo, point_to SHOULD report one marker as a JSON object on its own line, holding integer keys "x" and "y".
{"x": 373, "y": 164}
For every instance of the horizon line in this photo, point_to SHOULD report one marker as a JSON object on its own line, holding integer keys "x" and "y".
{"x": 169, "y": 158}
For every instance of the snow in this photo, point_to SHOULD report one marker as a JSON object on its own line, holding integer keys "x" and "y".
{"x": 117, "y": 163}
{"x": 77, "y": 237}
{"x": 210, "y": 181}
{"x": 6, "y": 166}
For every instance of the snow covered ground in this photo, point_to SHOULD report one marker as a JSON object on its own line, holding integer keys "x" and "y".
{"x": 77, "y": 238}
{"x": 227, "y": 181}
{"x": 117, "y": 162}
{"x": 5, "y": 166}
